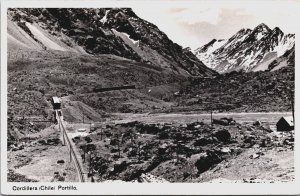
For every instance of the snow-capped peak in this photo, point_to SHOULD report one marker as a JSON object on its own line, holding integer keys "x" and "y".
{"x": 262, "y": 28}
{"x": 211, "y": 46}
{"x": 247, "y": 49}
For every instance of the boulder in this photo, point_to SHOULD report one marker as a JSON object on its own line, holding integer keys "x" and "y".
{"x": 60, "y": 162}
{"x": 88, "y": 139}
{"x": 225, "y": 150}
{"x": 163, "y": 135}
{"x": 149, "y": 128}
{"x": 222, "y": 135}
{"x": 203, "y": 141}
{"x": 194, "y": 125}
{"x": 224, "y": 121}
{"x": 43, "y": 142}
{"x": 207, "y": 161}
{"x": 120, "y": 166}
{"x": 114, "y": 142}
{"x": 114, "y": 150}
{"x": 53, "y": 141}
{"x": 257, "y": 123}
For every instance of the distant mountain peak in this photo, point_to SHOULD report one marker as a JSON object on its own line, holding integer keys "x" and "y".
{"x": 243, "y": 30}
{"x": 263, "y": 27}
{"x": 210, "y": 46}
{"x": 277, "y": 29}
{"x": 249, "y": 50}
{"x": 277, "y": 32}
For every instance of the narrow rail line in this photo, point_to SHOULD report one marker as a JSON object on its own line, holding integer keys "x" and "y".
{"x": 72, "y": 151}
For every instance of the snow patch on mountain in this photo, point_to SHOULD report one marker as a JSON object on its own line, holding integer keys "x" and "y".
{"x": 127, "y": 37}
{"x": 284, "y": 44}
{"x": 104, "y": 19}
{"x": 259, "y": 36}
{"x": 205, "y": 52}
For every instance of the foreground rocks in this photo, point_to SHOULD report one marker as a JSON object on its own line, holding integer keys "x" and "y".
{"x": 175, "y": 153}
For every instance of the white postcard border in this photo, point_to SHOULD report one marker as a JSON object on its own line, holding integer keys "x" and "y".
{"x": 134, "y": 188}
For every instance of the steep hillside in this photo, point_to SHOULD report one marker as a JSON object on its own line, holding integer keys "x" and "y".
{"x": 287, "y": 59}
{"x": 248, "y": 50}
{"x": 32, "y": 81}
{"x": 117, "y": 31}
{"x": 68, "y": 52}
{"x": 239, "y": 92}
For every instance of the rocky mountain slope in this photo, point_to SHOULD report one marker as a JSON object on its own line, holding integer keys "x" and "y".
{"x": 248, "y": 50}
{"x": 239, "y": 92}
{"x": 117, "y": 31}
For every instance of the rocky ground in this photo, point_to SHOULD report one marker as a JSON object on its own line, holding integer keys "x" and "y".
{"x": 238, "y": 92}
{"x": 186, "y": 152}
{"x": 67, "y": 63}
{"x": 40, "y": 158}
{"x": 32, "y": 83}
{"x": 192, "y": 152}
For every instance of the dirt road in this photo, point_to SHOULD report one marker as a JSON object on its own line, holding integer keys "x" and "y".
{"x": 269, "y": 117}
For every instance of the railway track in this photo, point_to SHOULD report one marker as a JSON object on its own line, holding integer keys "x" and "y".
{"x": 72, "y": 151}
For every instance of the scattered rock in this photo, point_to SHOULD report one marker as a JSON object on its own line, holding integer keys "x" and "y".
{"x": 207, "y": 160}
{"x": 194, "y": 125}
{"x": 254, "y": 156}
{"x": 53, "y": 141}
{"x": 114, "y": 142}
{"x": 203, "y": 141}
{"x": 88, "y": 139}
{"x": 226, "y": 150}
{"x": 224, "y": 121}
{"x": 43, "y": 142}
{"x": 257, "y": 123}
{"x": 120, "y": 166}
{"x": 222, "y": 135}
{"x": 60, "y": 162}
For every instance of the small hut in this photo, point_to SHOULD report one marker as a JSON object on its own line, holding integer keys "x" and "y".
{"x": 56, "y": 103}
{"x": 285, "y": 124}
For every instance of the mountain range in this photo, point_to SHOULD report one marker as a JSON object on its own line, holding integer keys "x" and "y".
{"x": 259, "y": 49}
{"x": 117, "y": 31}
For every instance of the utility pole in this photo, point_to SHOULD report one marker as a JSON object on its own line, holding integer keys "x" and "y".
{"x": 101, "y": 133}
{"x": 177, "y": 152}
{"x": 70, "y": 154}
{"x": 292, "y": 100}
{"x": 211, "y": 119}
{"x": 119, "y": 147}
{"x": 139, "y": 152}
{"x": 84, "y": 151}
{"x": 90, "y": 162}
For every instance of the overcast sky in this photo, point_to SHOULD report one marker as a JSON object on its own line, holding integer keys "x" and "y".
{"x": 194, "y": 23}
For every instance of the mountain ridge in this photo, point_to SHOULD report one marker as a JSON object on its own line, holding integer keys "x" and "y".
{"x": 248, "y": 50}
{"x": 117, "y": 31}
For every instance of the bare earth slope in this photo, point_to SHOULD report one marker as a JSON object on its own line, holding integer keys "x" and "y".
{"x": 117, "y": 31}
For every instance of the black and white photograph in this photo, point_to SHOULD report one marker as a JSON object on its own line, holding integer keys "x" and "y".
{"x": 189, "y": 92}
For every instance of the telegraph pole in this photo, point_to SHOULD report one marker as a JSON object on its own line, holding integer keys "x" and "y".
{"x": 211, "y": 119}
{"x": 70, "y": 154}
{"x": 292, "y": 100}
